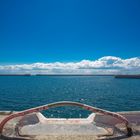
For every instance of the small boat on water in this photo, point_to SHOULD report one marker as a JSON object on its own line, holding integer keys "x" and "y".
{"x": 100, "y": 124}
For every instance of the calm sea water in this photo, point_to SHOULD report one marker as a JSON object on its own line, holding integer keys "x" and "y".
{"x": 106, "y": 92}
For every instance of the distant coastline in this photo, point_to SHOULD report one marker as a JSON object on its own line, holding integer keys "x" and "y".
{"x": 128, "y": 76}
{"x": 55, "y": 75}
{"x": 15, "y": 74}
{"x": 116, "y": 76}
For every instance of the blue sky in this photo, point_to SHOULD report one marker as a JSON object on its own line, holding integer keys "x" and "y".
{"x": 51, "y": 31}
{"x": 73, "y": 30}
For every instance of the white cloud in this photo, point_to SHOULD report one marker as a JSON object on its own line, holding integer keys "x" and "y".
{"x": 104, "y": 65}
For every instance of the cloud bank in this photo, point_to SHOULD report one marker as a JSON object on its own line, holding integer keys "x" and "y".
{"x": 104, "y": 65}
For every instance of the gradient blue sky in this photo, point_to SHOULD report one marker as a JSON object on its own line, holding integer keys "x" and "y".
{"x": 68, "y": 30}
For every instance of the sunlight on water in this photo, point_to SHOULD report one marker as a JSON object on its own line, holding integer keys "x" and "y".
{"x": 19, "y": 93}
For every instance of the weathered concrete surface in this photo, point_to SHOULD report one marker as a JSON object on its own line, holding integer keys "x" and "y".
{"x": 61, "y": 129}
{"x": 133, "y": 117}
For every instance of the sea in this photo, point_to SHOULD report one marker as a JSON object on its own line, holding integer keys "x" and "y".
{"x": 18, "y": 93}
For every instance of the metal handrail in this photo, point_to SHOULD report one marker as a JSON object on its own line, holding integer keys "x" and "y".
{"x": 67, "y": 103}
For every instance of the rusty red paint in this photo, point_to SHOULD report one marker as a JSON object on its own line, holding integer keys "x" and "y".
{"x": 45, "y": 107}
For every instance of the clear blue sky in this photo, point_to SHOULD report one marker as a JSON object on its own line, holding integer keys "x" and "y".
{"x": 68, "y": 30}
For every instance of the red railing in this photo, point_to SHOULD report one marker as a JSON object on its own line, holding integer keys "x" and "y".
{"x": 67, "y": 103}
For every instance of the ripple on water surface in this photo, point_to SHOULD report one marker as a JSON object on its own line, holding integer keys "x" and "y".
{"x": 19, "y": 93}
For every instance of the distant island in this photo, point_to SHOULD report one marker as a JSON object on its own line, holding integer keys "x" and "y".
{"x": 128, "y": 76}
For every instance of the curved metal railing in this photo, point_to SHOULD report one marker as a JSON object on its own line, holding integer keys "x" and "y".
{"x": 67, "y": 103}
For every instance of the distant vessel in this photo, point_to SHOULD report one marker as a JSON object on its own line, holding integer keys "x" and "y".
{"x": 128, "y": 76}
{"x": 101, "y": 124}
